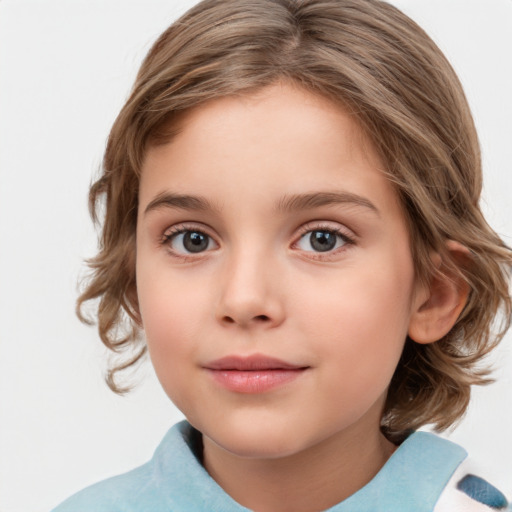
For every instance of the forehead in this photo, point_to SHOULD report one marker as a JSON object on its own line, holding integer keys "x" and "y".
{"x": 270, "y": 108}
{"x": 281, "y": 139}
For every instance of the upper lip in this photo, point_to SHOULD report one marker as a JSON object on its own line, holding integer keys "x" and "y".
{"x": 251, "y": 363}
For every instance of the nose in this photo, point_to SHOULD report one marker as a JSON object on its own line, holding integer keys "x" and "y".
{"x": 251, "y": 293}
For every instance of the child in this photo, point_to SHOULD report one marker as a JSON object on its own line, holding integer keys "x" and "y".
{"x": 292, "y": 230}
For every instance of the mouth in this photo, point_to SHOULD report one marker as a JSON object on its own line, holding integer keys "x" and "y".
{"x": 253, "y": 374}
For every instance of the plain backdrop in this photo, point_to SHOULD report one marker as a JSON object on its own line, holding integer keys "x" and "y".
{"x": 65, "y": 69}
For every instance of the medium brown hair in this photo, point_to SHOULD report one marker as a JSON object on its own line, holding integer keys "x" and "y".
{"x": 370, "y": 58}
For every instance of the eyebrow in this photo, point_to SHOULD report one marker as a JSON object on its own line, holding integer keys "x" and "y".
{"x": 293, "y": 203}
{"x": 287, "y": 204}
{"x": 181, "y": 202}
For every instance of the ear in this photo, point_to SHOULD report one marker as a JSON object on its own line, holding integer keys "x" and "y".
{"x": 440, "y": 302}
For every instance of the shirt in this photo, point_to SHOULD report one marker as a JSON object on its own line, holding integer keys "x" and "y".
{"x": 425, "y": 474}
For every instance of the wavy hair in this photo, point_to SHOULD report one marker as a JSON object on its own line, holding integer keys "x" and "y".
{"x": 371, "y": 59}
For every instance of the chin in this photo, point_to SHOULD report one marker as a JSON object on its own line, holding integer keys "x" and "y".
{"x": 256, "y": 441}
{"x": 258, "y": 447}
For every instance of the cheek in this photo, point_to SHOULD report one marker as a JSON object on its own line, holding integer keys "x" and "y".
{"x": 171, "y": 313}
{"x": 360, "y": 320}
{"x": 163, "y": 312}
{"x": 170, "y": 302}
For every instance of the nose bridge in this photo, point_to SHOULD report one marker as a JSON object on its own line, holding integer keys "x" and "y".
{"x": 249, "y": 289}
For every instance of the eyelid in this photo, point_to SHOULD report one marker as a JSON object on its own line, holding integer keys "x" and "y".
{"x": 323, "y": 225}
{"x": 176, "y": 229}
{"x": 186, "y": 226}
{"x": 339, "y": 229}
{"x": 347, "y": 234}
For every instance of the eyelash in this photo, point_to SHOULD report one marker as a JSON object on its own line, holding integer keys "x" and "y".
{"x": 348, "y": 240}
{"x": 174, "y": 231}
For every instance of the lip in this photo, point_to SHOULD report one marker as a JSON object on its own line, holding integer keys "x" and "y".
{"x": 253, "y": 374}
{"x": 253, "y": 362}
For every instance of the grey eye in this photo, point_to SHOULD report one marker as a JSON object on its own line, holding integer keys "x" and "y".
{"x": 190, "y": 242}
{"x": 321, "y": 240}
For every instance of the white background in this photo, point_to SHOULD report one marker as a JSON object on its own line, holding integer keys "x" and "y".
{"x": 65, "y": 69}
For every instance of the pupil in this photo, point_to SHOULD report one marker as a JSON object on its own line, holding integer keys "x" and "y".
{"x": 195, "y": 242}
{"x": 322, "y": 240}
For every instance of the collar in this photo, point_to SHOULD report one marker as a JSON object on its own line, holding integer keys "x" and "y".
{"x": 411, "y": 480}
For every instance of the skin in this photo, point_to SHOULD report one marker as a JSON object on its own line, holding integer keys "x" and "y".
{"x": 260, "y": 287}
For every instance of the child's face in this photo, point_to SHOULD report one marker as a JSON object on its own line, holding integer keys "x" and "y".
{"x": 267, "y": 230}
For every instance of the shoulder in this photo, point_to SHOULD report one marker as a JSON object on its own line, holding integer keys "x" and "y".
{"x": 132, "y": 491}
{"x": 173, "y": 480}
{"x": 138, "y": 490}
{"x": 459, "y": 485}
{"x": 427, "y": 474}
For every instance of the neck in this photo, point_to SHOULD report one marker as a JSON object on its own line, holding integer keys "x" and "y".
{"x": 314, "y": 479}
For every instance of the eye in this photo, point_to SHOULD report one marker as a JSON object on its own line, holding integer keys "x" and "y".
{"x": 188, "y": 241}
{"x": 322, "y": 240}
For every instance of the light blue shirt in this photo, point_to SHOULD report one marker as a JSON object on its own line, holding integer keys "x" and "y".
{"x": 175, "y": 481}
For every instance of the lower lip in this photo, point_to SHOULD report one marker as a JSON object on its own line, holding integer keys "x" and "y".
{"x": 255, "y": 381}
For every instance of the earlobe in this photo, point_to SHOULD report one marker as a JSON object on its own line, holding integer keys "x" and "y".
{"x": 440, "y": 303}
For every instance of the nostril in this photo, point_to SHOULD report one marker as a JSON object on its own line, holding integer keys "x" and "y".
{"x": 258, "y": 319}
